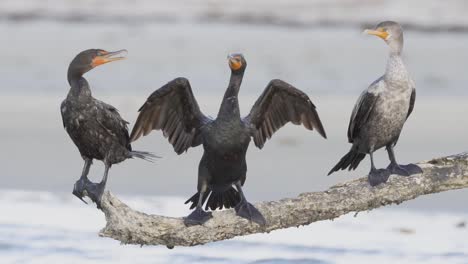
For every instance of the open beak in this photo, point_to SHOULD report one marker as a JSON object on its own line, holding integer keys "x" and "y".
{"x": 379, "y": 33}
{"x": 109, "y": 57}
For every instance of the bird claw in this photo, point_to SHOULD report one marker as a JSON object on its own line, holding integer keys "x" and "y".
{"x": 80, "y": 197}
{"x": 377, "y": 177}
{"x": 197, "y": 217}
{"x": 248, "y": 211}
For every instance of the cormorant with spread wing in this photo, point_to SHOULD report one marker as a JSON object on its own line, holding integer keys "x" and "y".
{"x": 381, "y": 111}
{"x": 95, "y": 127}
{"x": 174, "y": 110}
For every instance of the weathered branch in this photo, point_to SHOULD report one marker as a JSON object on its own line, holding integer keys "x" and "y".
{"x": 132, "y": 227}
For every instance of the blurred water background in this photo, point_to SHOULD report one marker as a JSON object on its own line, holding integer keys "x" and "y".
{"x": 315, "y": 45}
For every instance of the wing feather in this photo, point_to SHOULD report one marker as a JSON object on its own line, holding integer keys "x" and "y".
{"x": 109, "y": 118}
{"x": 279, "y": 104}
{"x": 363, "y": 109}
{"x": 412, "y": 100}
{"x": 174, "y": 110}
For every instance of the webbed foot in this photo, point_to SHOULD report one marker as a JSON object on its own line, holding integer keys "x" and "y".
{"x": 79, "y": 188}
{"x": 394, "y": 168}
{"x": 95, "y": 192}
{"x": 412, "y": 169}
{"x": 197, "y": 217}
{"x": 404, "y": 170}
{"x": 377, "y": 177}
{"x": 248, "y": 211}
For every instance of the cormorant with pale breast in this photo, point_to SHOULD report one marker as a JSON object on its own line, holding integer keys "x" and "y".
{"x": 381, "y": 111}
{"x": 95, "y": 127}
{"x": 174, "y": 110}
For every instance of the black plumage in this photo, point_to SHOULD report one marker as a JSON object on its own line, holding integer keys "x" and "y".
{"x": 96, "y": 128}
{"x": 174, "y": 110}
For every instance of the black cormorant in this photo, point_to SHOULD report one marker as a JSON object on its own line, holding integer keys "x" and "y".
{"x": 174, "y": 110}
{"x": 381, "y": 111}
{"x": 95, "y": 127}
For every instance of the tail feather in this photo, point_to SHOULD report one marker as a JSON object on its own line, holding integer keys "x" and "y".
{"x": 216, "y": 200}
{"x": 233, "y": 197}
{"x": 357, "y": 159}
{"x": 148, "y": 156}
{"x": 194, "y": 199}
{"x": 351, "y": 160}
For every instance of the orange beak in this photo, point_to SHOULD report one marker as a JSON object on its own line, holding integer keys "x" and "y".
{"x": 109, "y": 57}
{"x": 379, "y": 33}
{"x": 234, "y": 64}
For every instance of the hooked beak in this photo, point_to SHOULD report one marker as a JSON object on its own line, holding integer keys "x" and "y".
{"x": 109, "y": 57}
{"x": 379, "y": 33}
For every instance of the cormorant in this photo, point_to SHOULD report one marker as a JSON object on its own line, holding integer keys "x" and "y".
{"x": 381, "y": 111}
{"x": 95, "y": 127}
{"x": 174, "y": 110}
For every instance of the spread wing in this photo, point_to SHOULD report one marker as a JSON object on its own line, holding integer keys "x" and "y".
{"x": 279, "y": 104}
{"x": 363, "y": 109}
{"x": 174, "y": 110}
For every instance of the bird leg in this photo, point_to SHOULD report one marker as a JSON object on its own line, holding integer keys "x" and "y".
{"x": 96, "y": 190}
{"x": 198, "y": 216}
{"x": 377, "y": 176}
{"x": 247, "y": 210}
{"x": 82, "y": 184}
{"x": 402, "y": 170}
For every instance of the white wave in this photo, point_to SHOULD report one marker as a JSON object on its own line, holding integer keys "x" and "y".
{"x": 43, "y": 227}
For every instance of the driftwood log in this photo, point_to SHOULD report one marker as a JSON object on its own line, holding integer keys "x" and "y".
{"x": 132, "y": 227}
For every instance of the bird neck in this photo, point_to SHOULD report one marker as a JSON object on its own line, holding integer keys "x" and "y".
{"x": 74, "y": 74}
{"x": 395, "y": 71}
{"x": 230, "y": 106}
{"x": 396, "y": 45}
{"x": 79, "y": 86}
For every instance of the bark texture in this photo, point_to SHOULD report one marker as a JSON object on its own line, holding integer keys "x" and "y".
{"x": 133, "y": 227}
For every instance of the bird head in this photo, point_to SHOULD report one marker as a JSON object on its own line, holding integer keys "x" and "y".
{"x": 237, "y": 62}
{"x": 391, "y": 32}
{"x": 89, "y": 59}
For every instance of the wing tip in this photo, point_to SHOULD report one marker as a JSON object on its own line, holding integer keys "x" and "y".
{"x": 324, "y": 135}
{"x": 321, "y": 130}
{"x": 317, "y": 123}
